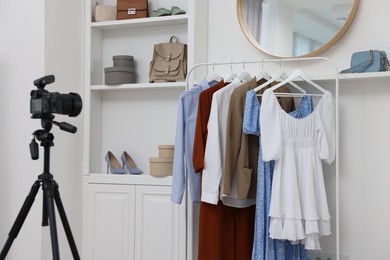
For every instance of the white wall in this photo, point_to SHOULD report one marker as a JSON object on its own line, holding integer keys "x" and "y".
{"x": 21, "y": 61}
{"x": 38, "y": 38}
{"x": 364, "y": 122}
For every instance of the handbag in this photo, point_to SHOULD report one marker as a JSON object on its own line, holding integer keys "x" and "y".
{"x": 368, "y": 61}
{"x": 130, "y": 9}
{"x": 105, "y": 12}
{"x": 169, "y": 62}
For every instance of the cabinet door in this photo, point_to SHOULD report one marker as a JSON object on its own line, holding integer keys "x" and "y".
{"x": 110, "y": 222}
{"x": 160, "y": 225}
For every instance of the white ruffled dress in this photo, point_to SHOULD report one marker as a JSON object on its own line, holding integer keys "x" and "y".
{"x": 299, "y": 208}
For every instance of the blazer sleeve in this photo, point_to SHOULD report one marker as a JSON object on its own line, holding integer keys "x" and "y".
{"x": 178, "y": 178}
{"x": 233, "y": 140}
{"x": 326, "y": 129}
{"x": 198, "y": 151}
{"x": 270, "y": 135}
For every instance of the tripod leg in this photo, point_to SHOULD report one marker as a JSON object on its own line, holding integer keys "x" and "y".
{"x": 49, "y": 188}
{"x": 20, "y": 219}
{"x": 45, "y": 218}
{"x": 65, "y": 223}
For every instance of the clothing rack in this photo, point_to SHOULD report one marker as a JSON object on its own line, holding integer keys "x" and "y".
{"x": 336, "y": 79}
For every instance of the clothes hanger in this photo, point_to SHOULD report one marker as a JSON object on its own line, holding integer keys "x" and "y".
{"x": 298, "y": 73}
{"x": 279, "y": 75}
{"x": 233, "y": 75}
{"x": 263, "y": 74}
{"x": 213, "y": 76}
{"x": 244, "y": 76}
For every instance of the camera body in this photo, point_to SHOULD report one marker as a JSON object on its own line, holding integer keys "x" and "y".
{"x": 43, "y": 103}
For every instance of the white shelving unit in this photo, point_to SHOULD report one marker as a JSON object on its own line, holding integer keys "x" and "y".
{"x": 135, "y": 118}
{"x": 126, "y": 117}
{"x": 132, "y": 117}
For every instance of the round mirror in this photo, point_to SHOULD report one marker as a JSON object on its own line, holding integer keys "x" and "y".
{"x": 295, "y": 28}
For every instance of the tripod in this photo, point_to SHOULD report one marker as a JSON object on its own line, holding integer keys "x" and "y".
{"x": 50, "y": 195}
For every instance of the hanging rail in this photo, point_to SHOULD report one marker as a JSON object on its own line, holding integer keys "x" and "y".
{"x": 336, "y": 78}
{"x": 298, "y": 60}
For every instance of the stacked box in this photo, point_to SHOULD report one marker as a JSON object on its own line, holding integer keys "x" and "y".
{"x": 123, "y": 71}
{"x": 163, "y": 165}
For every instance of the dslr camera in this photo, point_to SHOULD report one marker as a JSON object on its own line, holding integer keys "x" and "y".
{"x": 43, "y": 103}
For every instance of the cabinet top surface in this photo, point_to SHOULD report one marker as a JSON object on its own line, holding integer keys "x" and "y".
{"x": 128, "y": 179}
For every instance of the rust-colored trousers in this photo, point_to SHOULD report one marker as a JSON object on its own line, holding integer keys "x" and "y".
{"x": 225, "y": 233}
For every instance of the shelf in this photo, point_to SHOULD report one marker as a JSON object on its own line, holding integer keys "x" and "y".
{"x": 141, "y": 22}
{"x": 142, "y": 179}
{"x": 181, "y": 85}
{"x": 365, "y": 76}
{"x": 140, "y": 86}
{"x": 383, "y": 75}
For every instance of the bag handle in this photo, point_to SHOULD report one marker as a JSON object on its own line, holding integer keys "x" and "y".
{"x": 173, "y": 39}
{"x": 386, "y": 61}
{"x": 360, "y": 66}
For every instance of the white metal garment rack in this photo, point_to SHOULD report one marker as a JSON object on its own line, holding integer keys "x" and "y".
{"x": 336, "y": 78}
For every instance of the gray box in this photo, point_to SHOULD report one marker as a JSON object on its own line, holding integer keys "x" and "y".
{"x": 119, "y": 75}
{"x": 123, "y": 61}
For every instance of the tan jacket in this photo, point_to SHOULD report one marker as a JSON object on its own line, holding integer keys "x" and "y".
{"x": 242, "y": 150}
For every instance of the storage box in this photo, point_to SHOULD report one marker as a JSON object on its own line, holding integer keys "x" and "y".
{"x": 105, "y": 13}
{"x": 123, "y": 61}
{"x": 160, "y": 167}
{"x": 130, "y": 9}
{"x": 119, "y": 75}
{"x": 165, "y": 151}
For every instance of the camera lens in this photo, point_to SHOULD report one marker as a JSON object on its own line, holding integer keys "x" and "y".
{"x": 66, "y": 104}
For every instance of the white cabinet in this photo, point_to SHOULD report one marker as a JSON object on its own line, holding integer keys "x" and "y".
{"x": 132, "y": 221}
{"x": 159, "y": 225}
{"x": 110, "y": 222}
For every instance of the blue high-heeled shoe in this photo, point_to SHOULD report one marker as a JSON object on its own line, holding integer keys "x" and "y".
{"x": 113, "y": 164}
{"x": 130, "y": 164}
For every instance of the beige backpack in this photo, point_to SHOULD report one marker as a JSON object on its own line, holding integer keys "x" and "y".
{"x": 169, "y": 62}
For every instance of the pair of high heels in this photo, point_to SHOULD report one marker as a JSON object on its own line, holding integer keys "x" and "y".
{"x": 127, "y": 164}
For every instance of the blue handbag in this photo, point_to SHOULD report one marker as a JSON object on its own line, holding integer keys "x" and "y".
{"x": 368, "y": 61}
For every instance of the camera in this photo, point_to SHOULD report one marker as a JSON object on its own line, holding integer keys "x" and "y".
{"x": 43, "y": 103}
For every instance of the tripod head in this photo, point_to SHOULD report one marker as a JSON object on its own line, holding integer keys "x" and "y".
{"x": 45, "y": 137}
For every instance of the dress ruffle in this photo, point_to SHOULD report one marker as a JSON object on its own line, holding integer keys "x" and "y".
{"x": 299, "y": 231}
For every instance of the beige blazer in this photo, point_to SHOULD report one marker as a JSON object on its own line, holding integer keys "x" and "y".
{"x": 242, "y": 150}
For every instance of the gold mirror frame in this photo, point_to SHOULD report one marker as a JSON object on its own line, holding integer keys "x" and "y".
{"x": 245, "y": 28}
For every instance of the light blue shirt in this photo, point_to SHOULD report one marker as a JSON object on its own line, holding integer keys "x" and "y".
{"x": 184, "y": 144}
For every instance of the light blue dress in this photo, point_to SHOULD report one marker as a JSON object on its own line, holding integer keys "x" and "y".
{"x": 265, "y": 248}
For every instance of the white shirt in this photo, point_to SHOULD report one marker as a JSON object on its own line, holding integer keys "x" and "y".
{"x": 214, "y": 159}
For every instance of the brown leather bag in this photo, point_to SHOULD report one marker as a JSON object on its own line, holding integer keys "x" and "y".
{"x": 169, "y": 62}
{"x": 130, "y": 9}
